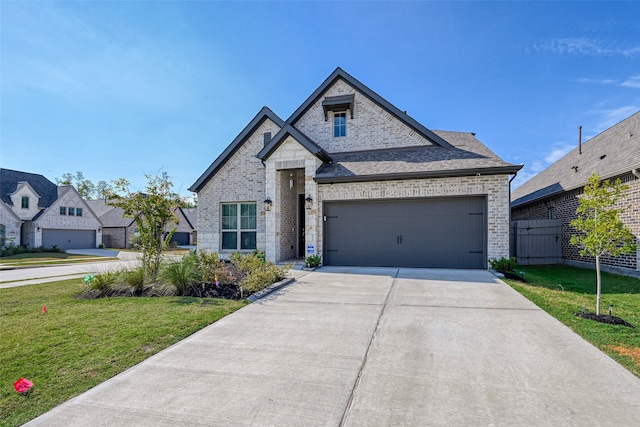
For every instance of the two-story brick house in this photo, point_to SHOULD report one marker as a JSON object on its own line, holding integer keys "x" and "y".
{"x": 36, "y": 212}
{"x": 351, "y": 177}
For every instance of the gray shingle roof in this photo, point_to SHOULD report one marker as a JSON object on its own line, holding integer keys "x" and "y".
{"x": 46, "y": 189}
{"x": 110, "y": 216}
{"x": 608, "y": 154}
{"x": 465, "y": 156}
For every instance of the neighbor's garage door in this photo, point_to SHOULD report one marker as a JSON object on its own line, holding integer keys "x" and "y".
{"x": 434, "y": 232}
{"x": 181, "y": 239}
{"x": 69, "y": 239}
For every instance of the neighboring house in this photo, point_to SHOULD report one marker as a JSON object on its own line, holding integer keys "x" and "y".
{"x": 353, "y": 178}
{"x": 36, "y": 212}
{"x": 118, "y": 230}
{"x": 554, "y": 192}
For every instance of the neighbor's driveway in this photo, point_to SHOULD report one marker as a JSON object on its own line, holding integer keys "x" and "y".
{"x": 372, "y": 347}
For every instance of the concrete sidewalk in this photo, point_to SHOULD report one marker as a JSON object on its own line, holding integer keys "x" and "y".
{"x": 371, "y": 347}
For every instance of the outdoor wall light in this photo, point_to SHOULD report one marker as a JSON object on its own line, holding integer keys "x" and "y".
{"x": 267, "y": 204}
{"x": 308, "y": 202}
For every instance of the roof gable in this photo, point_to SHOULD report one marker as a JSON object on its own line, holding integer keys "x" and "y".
{"x": 264, "y": 114}
{"x": 307, "y": 143}
{"x": 46, "y": 190}
{"x": 338, "y": 74}
{"x": 611, "y": 153}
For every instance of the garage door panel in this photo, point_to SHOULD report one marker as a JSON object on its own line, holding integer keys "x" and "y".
{"x": 69, "y": 239}
{"x": 436, "y": 232}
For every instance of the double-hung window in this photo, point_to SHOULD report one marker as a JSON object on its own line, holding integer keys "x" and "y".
{"x": 25, "y": 202}
{"x": 71, "y": 211}
{"x": 339, "y": 124}
{"x": 238, "y": 226}
{"x": 63, "y": 210}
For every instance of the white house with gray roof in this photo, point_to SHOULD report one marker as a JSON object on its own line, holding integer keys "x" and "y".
{"x": 351, "y": 177}
{"x": 36, "y": 212}
{"x": 554, "y": 192}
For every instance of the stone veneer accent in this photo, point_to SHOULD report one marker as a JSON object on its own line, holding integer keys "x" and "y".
{"x": 565, "y": 206}
{"x": 286, "y": 159}
{"x": 372, "y": 127}
{"x": 240, "y": 179}
{"x": 495, "y": 187}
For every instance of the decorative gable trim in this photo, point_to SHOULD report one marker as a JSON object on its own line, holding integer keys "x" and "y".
{"x": 339, "y": 73}
{"x": 264, "y": 114}
{"x": 338, "y": 103}
{"x": 307, "y": 143}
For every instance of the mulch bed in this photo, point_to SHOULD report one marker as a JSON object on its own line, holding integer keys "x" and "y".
{"x": 605, "y": 318}
{"x": 514, "y": 276}
{"x": 210, "y": 290}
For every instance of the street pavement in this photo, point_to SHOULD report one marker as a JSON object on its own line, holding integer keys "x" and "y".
{"x": 371, "y": 347}
{"x": 113, "y": 260}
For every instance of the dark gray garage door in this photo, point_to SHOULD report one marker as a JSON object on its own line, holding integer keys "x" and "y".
{"x": 181, "y": 239}
{"x": 434, "y": 232}
{"x": 69, "y": 239}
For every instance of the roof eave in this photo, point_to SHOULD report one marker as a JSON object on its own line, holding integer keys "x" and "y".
{"x": 263, "y": 114}
{"x": 499, "y": 170}
{"x": 613, "y": 174}
{"x": 339, "y": 73}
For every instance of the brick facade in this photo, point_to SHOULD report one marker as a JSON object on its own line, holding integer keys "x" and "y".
{"x": 240, "y": 179}
{"x": 245, "y": 178}
{"x": 564, "y": 207}
{"x": 51, "y": 218}
{"x": 494, "y": 187}
{"x": 372, "y": 128}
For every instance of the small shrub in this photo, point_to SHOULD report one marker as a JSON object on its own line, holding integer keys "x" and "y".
{"x": 253, "y": 274}
{"x": 503, "y": 265}
{"x": 312, "y": 261}
{"x": 184, "y": 275}
{"x": 259, "y": 278}
{"x": 211, "y": 267}
{"x": 133, "y": 278}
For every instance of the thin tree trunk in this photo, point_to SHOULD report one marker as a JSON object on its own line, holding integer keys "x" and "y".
{"x": 598, "y": 284}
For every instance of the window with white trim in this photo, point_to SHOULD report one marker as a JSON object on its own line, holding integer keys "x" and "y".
{"x": 238, "y": 226}
{"x": 339, "y": 124}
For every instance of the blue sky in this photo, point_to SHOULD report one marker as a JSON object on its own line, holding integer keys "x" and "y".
{"x": 128, "y": 88}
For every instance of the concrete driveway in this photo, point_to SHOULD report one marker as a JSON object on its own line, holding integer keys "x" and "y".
{"x": 372, "y": 347}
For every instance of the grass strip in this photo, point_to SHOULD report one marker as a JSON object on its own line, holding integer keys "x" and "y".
{"x": 563, "y": 290}
{"x": 78, "y": 344}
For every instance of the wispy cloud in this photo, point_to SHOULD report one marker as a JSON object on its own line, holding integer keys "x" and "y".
{"x": 633, "y": 81}
{"x": 588, "y": 47}
{"x": 598, "y": 81}
{"x": 558, "y": 152}
{"x": 545, "y": 159}
{"x": 607, "y": 118}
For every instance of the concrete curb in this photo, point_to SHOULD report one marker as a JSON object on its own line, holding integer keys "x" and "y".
{"x": 271, "y": 288}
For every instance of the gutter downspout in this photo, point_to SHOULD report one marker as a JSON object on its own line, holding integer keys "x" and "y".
{"x": 514, "y": 243}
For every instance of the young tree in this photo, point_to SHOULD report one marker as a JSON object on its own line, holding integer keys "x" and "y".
{"x": 599, "y": 221}
{"x": 153, "y": 211}
{"x": 85, "y": 187}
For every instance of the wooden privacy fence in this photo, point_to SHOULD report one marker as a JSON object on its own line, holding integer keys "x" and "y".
{"x": 536, "y": 242}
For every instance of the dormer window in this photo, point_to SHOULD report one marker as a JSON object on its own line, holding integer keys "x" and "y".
{"x": 339, "y": 124}
{"x": 25, "y": 202}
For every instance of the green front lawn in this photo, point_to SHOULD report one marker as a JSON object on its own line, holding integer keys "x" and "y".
{"x": 78, "y": 344}
{"x": 41, "y": 257}
{"x": 563, "y": 291}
